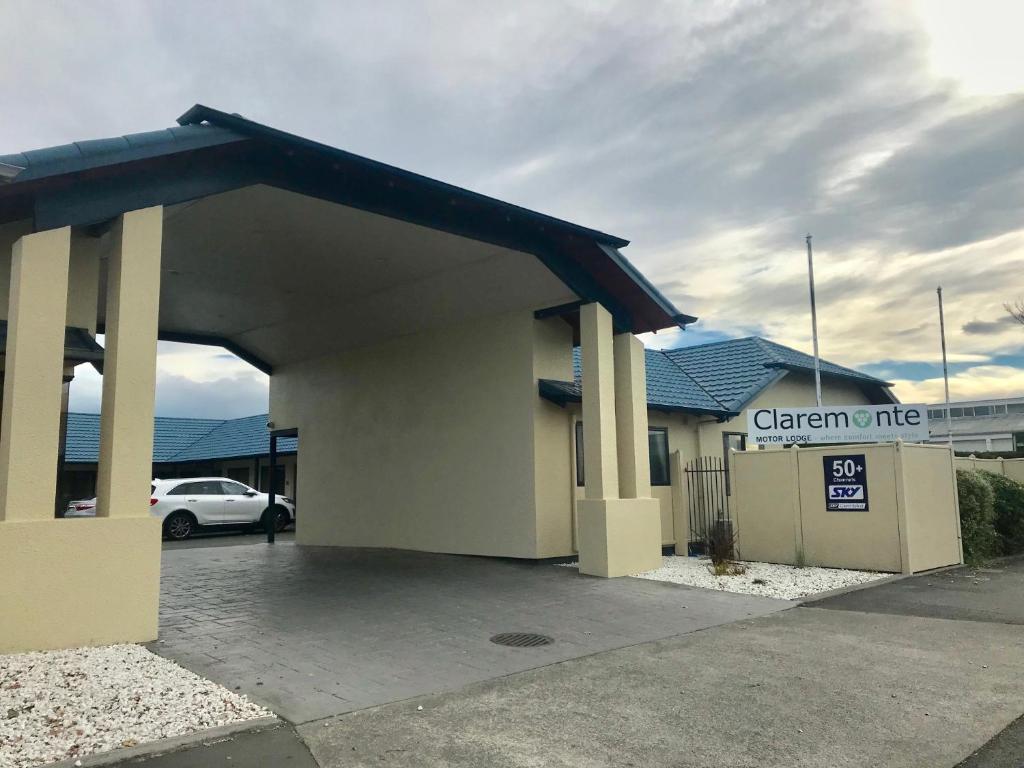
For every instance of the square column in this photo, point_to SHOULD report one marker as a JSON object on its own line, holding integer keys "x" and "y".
{"x": 129, "y": 367}
{"x": 617, "y": 536}
{"x": 631, "y": 417}
{"x": 34, "y": 375}
{"x": 602, "y": 463}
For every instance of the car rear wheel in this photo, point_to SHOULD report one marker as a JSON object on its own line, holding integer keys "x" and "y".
{"x": 179, "y": 526}
{"x": 281, "y": 519}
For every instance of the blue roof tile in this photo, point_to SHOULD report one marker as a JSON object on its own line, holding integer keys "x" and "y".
{"x": 182, "y": 439}
{"x": 718, "y": 378}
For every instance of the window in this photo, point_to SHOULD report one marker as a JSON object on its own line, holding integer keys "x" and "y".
{"x": 182, "y": 490}
{"x": 982, "y": 410}
{"x": 956, "y": 413}
{"x": 233, "y": 489}
{"x": 241, "y": 474}
{"x": 998, "y": 410}
{"x": 579, "y": 454}
{"x": 937, "y": 413}
{"x": 657, "y": 442}
{"x": 198, "y": 488}
{"x": 1018, "y": 441}
{"x": 1015, "y": 408}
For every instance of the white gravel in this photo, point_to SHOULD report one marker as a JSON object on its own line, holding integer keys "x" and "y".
{"x": 786, "y": 582}
{"x": 56, "y": 705}
{"x": 782, "y": 581}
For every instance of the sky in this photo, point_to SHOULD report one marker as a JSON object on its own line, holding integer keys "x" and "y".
{"x": 713, "y": 135}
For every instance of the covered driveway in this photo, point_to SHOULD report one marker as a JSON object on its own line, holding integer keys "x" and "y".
{"x": 317, "y": 631}
{"x": 405, "y": 324}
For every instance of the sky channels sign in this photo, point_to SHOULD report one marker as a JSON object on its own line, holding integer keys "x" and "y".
{"x": 838, "y": 424}
{"x": 846, "y": 483}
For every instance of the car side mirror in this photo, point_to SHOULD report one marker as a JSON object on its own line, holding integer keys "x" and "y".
{"x": 251, "y": 492}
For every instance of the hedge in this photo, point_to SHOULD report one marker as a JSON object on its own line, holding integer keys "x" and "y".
{"x": 977, "y": 516}
{"x": 1009, "y": 512}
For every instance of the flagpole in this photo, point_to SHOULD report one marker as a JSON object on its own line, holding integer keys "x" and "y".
{"x": 945, "y": 368}
{"x": 814, "y": 324}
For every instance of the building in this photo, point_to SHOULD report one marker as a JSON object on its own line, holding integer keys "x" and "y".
{"x": 980, "y": 426}
{"x": 697, "y": 399}
{"x": 404, "y": 323}
{"x": 184, "y": 447}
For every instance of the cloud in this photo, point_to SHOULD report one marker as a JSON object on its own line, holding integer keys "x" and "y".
{"x": 713, "y": 134}
{"x": 988, "y": 327}
{"x": 979, "y": 382}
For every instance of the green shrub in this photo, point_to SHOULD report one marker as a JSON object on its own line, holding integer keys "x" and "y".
{"x": 977, "y": 516}
{"x": 1009, "y": 512}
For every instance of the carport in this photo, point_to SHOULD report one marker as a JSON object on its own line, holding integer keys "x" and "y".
{"x": 405, "y": 324}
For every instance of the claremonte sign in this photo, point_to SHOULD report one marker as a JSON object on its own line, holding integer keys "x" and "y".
{"x": 838, "y": 424}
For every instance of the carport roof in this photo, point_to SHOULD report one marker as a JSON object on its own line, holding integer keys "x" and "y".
{"x": 182, "y": 440}
{"x": 88, "y": 183}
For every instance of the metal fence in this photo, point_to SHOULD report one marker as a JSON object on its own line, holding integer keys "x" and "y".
{"x": 707, "y": 491}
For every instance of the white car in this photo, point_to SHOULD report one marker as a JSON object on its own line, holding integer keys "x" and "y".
{"x": 186, "y": 504}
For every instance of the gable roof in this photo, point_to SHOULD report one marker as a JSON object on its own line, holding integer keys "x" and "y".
{"x": 735, "y": 371}
{"x": 182, "y": 440}
{"x": 719, "y": 379}
{"x": 210, "y": 152}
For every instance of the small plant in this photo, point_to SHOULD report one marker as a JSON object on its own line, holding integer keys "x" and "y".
{"x": 801, "y": 557}
{"x": 977, "y": 516}
{"x": 720, "y": 547}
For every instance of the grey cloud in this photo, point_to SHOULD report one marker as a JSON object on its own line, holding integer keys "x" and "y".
{"x": 670, "y": 126}
{"x": 988, "y": 327}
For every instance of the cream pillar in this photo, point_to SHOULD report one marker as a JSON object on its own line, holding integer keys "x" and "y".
{"x": 88, "y": 581}
{"x": 601, "y": 470}
{"x": 631, "y": 417}
{"x": 34, "y": 371}
{"x": 617, "y": 536}
{"x": 129, "y": 367}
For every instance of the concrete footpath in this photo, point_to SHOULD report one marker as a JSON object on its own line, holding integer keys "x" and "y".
{"x": 920, "y": 681}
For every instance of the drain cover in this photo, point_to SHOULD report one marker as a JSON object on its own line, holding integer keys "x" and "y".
{"x": 521, "y": 639}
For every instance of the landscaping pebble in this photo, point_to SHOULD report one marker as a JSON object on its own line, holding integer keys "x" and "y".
{"x": 786, "y": 582}
{"x": 765, "y": 579}
{"x": 60, "y": 705}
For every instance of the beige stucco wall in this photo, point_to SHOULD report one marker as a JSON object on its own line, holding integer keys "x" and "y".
{"x": 766, "y": 508}
{"x": 912, "y": 522}
{"x": 424, "y": 442}
{"x": 83, "y": 274}
{"x": 932, "y": 510}
{"x": 88, "y": 581}
{"x": 553, "y": 461}
{"x": 868, "y": 540}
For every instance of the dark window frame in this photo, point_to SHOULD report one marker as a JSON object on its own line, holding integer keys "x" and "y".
{"x": 580, "y": 477}
{"x": 663, "y": 432}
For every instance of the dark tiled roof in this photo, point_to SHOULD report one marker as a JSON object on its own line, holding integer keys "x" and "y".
{"x": 182, "y": 439}
{"x": 720, "y": 378}
{"x": 736, "y": 370}
{"x": 668, "y": 387}
{"x": 236, "y": 437}
{"x": 82, "y": 155}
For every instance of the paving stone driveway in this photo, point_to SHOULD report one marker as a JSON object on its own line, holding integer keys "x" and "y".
{"x": 315, "y": 631}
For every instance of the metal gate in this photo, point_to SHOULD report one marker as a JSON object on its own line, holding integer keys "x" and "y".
{"x": 707, "y": 494}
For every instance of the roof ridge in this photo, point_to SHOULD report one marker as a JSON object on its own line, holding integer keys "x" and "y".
{"x": 203, "y": 436}
{"x": 701, "y": 387}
